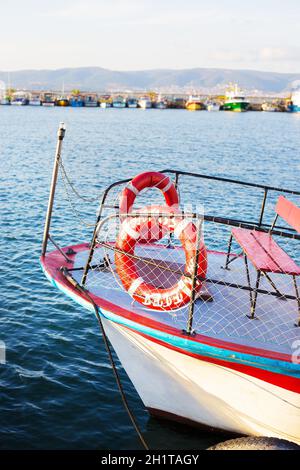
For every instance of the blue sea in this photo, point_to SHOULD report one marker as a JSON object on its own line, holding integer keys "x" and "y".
{"x": 57, "y": 387}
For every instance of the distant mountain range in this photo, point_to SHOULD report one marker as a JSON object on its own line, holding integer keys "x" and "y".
{"x": 198, "y": 79}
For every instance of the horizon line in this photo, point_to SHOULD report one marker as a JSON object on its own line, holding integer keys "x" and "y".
{"x": 146, "y": 70}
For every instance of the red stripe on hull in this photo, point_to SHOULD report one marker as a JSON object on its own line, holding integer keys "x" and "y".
{"x": 283, "y": 381}
{"x": 54, "y": 260}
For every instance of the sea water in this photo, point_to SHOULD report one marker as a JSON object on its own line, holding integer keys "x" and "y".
{"x": 57, "y": 387}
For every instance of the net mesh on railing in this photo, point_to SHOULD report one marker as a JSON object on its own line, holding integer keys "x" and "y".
{"x": 224, "y": 299}
{"x": 153, "y": 280}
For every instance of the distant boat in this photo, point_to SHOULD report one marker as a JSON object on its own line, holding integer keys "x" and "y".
{"x": 76, "y": 101}
{"x": 212, "y": 106}
{"x": 105, "y": 101}
{"x": 105, "y": 104}
{"x": 268, "y": 107}
{"x": 294, "y": 106}
{"x": 19, "y": 99}
{"x": 194, "y": 103}
{"x": 62, "y": 101}
{"x": 132, "y": 103}
{"x": 160, "y": 103}
{"x": 5, "y": 101}
{"x": 119, "y": 102}
{"x": 176, "y": 103}
{"x": 91, "y": 101}
{"x": 34, "y": 99}
{"x": 48, "y": 99}
{"x": 145, "y": 102}
{"x": 235, "y": 100}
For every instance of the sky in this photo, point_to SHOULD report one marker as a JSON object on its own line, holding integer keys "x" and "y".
{"x": 150, "y": 34}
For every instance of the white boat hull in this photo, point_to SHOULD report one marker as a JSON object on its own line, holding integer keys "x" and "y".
{"x": 119, "y": 105}
{"x": 18, "y": 103}
{"x": 145, "y": 104}
{"x": 213, "y": 107}
{"x": 186, "y": 388}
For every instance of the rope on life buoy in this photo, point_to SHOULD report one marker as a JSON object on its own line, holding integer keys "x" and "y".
{"x": 142, "y": 291}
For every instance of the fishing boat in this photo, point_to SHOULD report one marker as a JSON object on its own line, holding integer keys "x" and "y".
{"x": 160, "y": 103}
{"x": 105, "y": 101}
{"x": 132, "y": 103}
{"x": 176, "y": 103}
{"x": 212, "y": 106}
{"x": 19, "y": 98}
{"x": 268, "y": 107}
{"x": 5, "y": 93}
{"x": 294, "y": 106}
{"x": 203, "y": 310}
{"x": 48, "y": 99}
{"x": 194, "y": 103}
{"x": 5, "y": 100}
{"x": 91, "y": 100}
{"x": 34, "y": 99}
{"x": 76, "y": 100}
{"x": 145, "y": 102}
{"x": 62, "y": 101}
{"x": 235, "y": 100}
{"x": 119, "y": 102}
{"x": 105, "y": 104}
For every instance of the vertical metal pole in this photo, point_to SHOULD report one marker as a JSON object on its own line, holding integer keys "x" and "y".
{"x": 93, "y": 242}
{"x": 189, "y": 328}
{"x": 228, "y": 252}
{"x": 60, "y": 136}
{"x": 263, "y": 207}
{"x": 298, "y": 299}
{"x": 171, "y": 235}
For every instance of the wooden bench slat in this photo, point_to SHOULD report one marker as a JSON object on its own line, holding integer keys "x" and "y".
{"x": 289, "y": 212}
{"x": 264, "y": 253}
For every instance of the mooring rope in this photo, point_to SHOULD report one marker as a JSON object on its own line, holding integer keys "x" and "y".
{"x": 73, "y": 281}
{"x": 66, "y": 182}
{"x": 72, "y": 186}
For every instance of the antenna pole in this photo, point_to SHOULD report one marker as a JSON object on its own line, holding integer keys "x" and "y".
{"x": 60, "y": 136}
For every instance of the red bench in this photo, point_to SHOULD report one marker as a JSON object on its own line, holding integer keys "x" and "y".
{"x": 265, "y": 254}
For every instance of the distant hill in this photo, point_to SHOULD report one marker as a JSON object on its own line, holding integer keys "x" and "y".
{"x": 100, "y": 79}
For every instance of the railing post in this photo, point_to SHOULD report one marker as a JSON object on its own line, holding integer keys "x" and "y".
{"x": 171, "y": 235}
{"x": 189, "y": 328}
{"x": 262, "y": 211}
{"x": 93, "y": 242}
{"x": 60, "y": 136}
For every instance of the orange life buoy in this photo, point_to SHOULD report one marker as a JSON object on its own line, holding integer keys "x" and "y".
{"x": 142, "y": 291}
{"x": 149, "y": 179}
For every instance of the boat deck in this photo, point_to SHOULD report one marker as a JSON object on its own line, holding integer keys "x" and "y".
{"x": 224, "y": 317}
